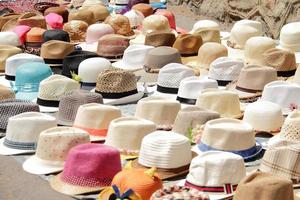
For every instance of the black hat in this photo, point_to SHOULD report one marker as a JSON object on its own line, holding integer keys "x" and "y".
{"x": 71, "y": 62}
{"x": 56, "y": 34}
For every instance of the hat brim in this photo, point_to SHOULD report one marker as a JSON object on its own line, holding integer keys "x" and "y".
{"x": 94, "y": 138}
{"x": 4, "y": 82}
{"x": 122, "y": 65}
{"x": 244, "y": 96}
{"x": 297, "y": 54}
{"x": 237, "y": 54}
{"x": 6, "y": 151}
{"x": 26, "y": 95}
{"x": 34, "y": 165}
{"x": 164, "y": 174}
{"x": 88, "y": 47}
{"x": 60, "y": 186}
{"x": 146, "y": 77}
{"x": 164, "y": 95}
{"x": 62, "y": 122}
{"x": 46, "y": 109}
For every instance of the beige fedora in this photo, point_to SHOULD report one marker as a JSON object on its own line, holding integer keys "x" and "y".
{"x": 208, "y": 29}
{"x": 6, "y": 52}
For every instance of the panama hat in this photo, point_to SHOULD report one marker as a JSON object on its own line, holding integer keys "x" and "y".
{"x": 32, "y": 19}
{"x": 77, "y": 30}
{"x": 160, "y": 38}
{"x": 208, "y": 29}
{"x": 6, "y": 52}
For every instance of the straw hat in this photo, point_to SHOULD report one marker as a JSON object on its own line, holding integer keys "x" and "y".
{"x": 207, "y": 53}
{"x": 135, "y": 18}
{"x": 120, "y": 24}
{"x": 70, "y": 102}
{"x": 6, "y": 93}
{"x": 10, "y": 23}
{"x": 285, "y": 94}
{"x": 6, "y": 52}
{"x": 32, "y": 19}
{"x": 23, "y": 141}
{"x": 264, "y": 116}
{"x": 15, "y": 61}
{"x": 100, "y": 12}
{"x": 9, "y": 38}
{"x": 50, "y": 157}
{"x": 83, "y": 15}
{"x": 225, "y": 70}
{"x": 181, "y": 192}
{"x": 229, "y": 130}
{"x": 63, "y": 12}
{"x": 76, "y": 29}
{"x": 191, "y": 87}
{"x": 5, "y": 18}
{"x": 117, "y": 87}
{"x": 191, "y": 117}
{"x": 168, "y": 151}
{"x": 208, "y": 29}
{"x": 253, "y": 187}
{"x": 144, "y": 8}
{"x": 229, "y": 167}
{"x": 160, "y": 38}
{"x": 12, "y": 107}
{"x": 78, "y": 180}
{"x": 188, "y": 44}
{"x": 95, "y": 119}
{"x": 129, "y": 144}
{"x": 225, "y": 102}
{"x": 252, "y": 80}
{"x": 161, "y": 111}
{"x": 255, "y": 47}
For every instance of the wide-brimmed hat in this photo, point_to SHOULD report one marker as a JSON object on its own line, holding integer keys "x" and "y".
{"x": 32, "y": 19}
{"x": 207, "y": 53}
{"x": 253, "y": 187}
{"x": 225, "y": 102}
{"x": 170, "y": 152}
{"x": 144, "y": 8}
{"x": 72, "y": 61}
{"x": 6, "y": 93}
{"x": 160, "y": 38}
{"x": 188, "y": 44}
{"x": 225, "y": 70}
{"x": 28, "y": 78}
{"x": 289, "y": 35}
{"x": 71, "y": 101}
{"x": 12, "y": 107}
{"x": 118, "y": 86}
{"x": 160, "y": 110}
{"x": 220, "y": 134}
{"x": 229, "y": 167}
{"x": 15, "y": 61}
{"x": 208, "y": 29}
{"x": 23, "y": 141}
{"x": 190, "y": 88}
{"x": 283, "y": 93}
{"x": 83, "y": 15}
{"x": 251, "y": 81}
{"x": 76, "y": 29}
{"x": 93, "y": 34}
{"x": 191, "y": 118}
{"x": 6, "y": 52}
{"x": 264, "y": 116}
{"x": 52, "y": 89}
{"x": 121, "y": 25}
{"x": 133, "y": 58}
{"x": 95, "y": 119}
{"x": 135, "y": 18}
{"x": 76, "y": 179}
{"x": 129, "y": 144}
{"x": 9, "y": 38}
{"x": 50, "y": 157}
{"x": 63, "y": 12}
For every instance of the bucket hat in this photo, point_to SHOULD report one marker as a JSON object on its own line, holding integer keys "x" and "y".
{"x": 23, "y": 141}
{"x": 71, "y": 101}
{"x": 63, "y": 12}
{"x": 225, "y": 102}
{"x": 117, "y": 87}
{"x": 191, "y": 87}
{"x": 50, "y": 157}
{"x": 160, "y": 110}
{"x": 6, "y": 52}
{"x": 32, "y": 19}
{"x": 77, "y": 30}
{"x": 133, "y": 58}
{"x": 56, "y": 34}
{"x": 225, "y": 70}
{"x": 6, "y": 93}
{"x": 120, "y": 24}
{"x": 168, "y": 151}
{"x": 208, "y": 29}
{"x": 28, "y": 78}
{"x": 229, "y": 130}
{"x": 288, "y": 39}
{"x": 54, "y": 21}
{"x": 192, "y": 117}
{"x": 135, "y": 18}
{"x": 229, "y": 167}
{"x": 283, "y": 93}
{"x": 252, "y": 80}
{"x": 144, "y": 8}
{"x": 9, "y": 38}
{"x": 264, "y": 116}
{"x": 131, "y": 142}
{"x": 95, "y": 119}
{"x": 188, "y": 44}
{"x": 15, "y": 61}
{"x": 75, "y": 179}
{"x": 12, "y": 107}
{"x": 52, "y": 89}
{"x": 90, "y": 68}
{"x": 251, "y": 188}
{"x": 160, "y": 38}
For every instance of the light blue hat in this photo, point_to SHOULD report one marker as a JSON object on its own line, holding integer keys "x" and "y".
{"x": 28, "y": 78}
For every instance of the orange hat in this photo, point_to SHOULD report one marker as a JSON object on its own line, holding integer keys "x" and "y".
{"x": 35, "y": 35}
{"x": 143, "y": 182}
{"x": 144, "y": 8}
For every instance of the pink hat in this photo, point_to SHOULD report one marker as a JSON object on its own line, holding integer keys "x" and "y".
{"x": 88, "y": 168}
{"x": 21, "y": 31}
{"x": 55, "y": 21}
{"x": 96, "y": 31}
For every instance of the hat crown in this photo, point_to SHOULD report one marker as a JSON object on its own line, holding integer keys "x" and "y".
{"x": 76, "y": 29}
{"x": 56, "y": 34}
{"x": 96, "y": 31}
{"x": 188, "y": 43}
{"x": 67, "y": 137}
{"x": 169, "y": 15}
{"x": 32, "y": 19}
{"x": 120, "y": 24}
{"x": 155, "y": 23}
{"x": 208, "y": 29}
{"x": 134, "y": 55}
{"x": 160, "y": 149}
{"x": 160, "y": 38}
{"x": 6, "y": 93}
{"x": 54, "y": 20}
{"x": 56, "y": 49}
{"x": 289, "y": 36}
{"x": 135, "y": 18}
{"x": 112, "y": 45}
{"x": 290, "y": 126}
{"x": 9, "y": 38}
